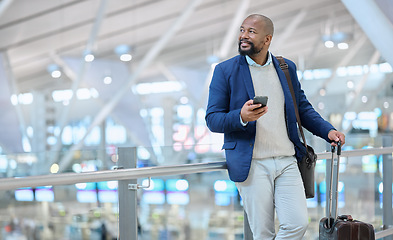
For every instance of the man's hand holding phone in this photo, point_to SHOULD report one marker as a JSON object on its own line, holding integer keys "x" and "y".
{"x": 253, "y": 109}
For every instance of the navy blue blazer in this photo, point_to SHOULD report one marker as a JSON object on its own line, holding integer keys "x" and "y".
{"x": 230, "y": 88}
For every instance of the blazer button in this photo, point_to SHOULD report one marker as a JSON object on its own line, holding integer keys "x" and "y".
{"x": 250, "y": 144}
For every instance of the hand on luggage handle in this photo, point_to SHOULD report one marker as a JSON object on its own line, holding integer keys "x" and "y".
{"x": 333, "y": 148}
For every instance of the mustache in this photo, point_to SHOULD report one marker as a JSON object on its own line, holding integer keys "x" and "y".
{"x": 245, "y": 41}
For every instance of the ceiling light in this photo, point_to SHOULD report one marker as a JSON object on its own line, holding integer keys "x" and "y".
{"x": 350, "y": 84}
{"x": 56, "y": 74}
{"x": 184, "y": 100}
{"x": 329, "y": 44}
{"x": 125, "y": 57}
{"x": 108, "y": 80}
{"x": 157, "y": 87}
{"x": 25, "y": 98}
{"x": 343, "y": 45}
{"x": 124, "y": 52}
{"x": 364, "y": 99}
{"x": 54, "y": 70}
{"x": 83, "y": 94}
{"x": 339, "y": 39}
{"x": 89, "y": 57}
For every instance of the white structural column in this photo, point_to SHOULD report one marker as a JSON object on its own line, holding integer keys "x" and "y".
{"x": 375, "y": 24}
{"x": 14, "y": 90}
{"x": 149, "y": 57}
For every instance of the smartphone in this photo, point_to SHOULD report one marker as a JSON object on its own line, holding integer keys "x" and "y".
{"x": 260, "y": 99}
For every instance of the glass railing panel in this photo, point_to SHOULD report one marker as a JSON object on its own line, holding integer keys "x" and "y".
{"x": 59, "y": 212}
{"x": 359, "y": 192}
{"x": 195, "y": 206}
{"x": 210, "y": 208}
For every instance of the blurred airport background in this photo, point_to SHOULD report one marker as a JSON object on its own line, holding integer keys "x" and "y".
{"x": 81, "y": 78}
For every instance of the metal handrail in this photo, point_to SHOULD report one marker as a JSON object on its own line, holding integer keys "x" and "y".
{"x": 384, "y": 233}
{"x": 358, "y": 152}
{"x": 124, "y": 174}
{"x": 108, "y": 175}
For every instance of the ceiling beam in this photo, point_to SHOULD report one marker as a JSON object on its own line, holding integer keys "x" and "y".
{"x": 14, "y": 90}
{"x": 146, "y": 61}
{"x": 233, "y": 29}
{"x": 289, "y": 29}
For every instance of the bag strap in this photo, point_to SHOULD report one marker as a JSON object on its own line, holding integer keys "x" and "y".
{"x": 284, "y": 68}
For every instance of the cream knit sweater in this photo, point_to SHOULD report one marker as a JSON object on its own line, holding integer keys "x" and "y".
{"x": 271, "y": 134}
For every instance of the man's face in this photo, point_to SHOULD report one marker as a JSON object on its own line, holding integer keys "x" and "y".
{"x": 252, "y": 37}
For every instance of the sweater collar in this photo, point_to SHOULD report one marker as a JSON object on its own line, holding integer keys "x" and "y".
{"x": 254, "y": 64}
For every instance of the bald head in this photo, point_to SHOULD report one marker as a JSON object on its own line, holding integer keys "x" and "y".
{"x": 256, "y": 33}
{"x": 267, "y": 22}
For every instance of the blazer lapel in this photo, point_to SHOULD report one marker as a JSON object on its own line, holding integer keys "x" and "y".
{"x": 245, "y": 75}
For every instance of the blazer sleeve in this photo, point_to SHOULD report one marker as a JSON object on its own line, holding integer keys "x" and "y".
{"x": 219, "y": 115}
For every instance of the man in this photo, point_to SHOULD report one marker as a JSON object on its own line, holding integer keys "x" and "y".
{"x": 262, "y": 145}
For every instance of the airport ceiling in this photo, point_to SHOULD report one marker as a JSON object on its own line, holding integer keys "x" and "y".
{"x": 170, "y": 40}
{"x": 36, "y": 33}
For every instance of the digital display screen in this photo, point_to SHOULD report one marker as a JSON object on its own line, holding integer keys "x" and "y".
{"x": 44, "y": 194}
{"x": 86, "y": 196}
{"x": 176, "y": 185}
{"x": 108, "y": 196}
{"x": 24, "y": 195}
{"x": 177, "y": 198}
{"x": 155, "y": 197}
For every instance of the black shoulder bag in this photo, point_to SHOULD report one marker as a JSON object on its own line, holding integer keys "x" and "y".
{"x": 307, "y": 164}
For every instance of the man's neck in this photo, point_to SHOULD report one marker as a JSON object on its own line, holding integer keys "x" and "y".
{"x": 260, "y": 58}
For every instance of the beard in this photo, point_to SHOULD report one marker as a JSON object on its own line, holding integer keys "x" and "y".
{"x": 251, "y": 51}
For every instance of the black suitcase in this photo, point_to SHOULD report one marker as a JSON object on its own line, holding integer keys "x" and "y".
{"x": 342, "y": 227}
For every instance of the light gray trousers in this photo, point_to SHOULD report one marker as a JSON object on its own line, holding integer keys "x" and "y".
{"x": 275, "y": 184}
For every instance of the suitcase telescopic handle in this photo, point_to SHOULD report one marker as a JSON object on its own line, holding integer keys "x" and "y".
{"x": 338, "y": 148}
{"x": 330, "y": 204}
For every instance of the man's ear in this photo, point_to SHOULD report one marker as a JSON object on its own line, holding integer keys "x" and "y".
{"x": 268, "y": 39}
